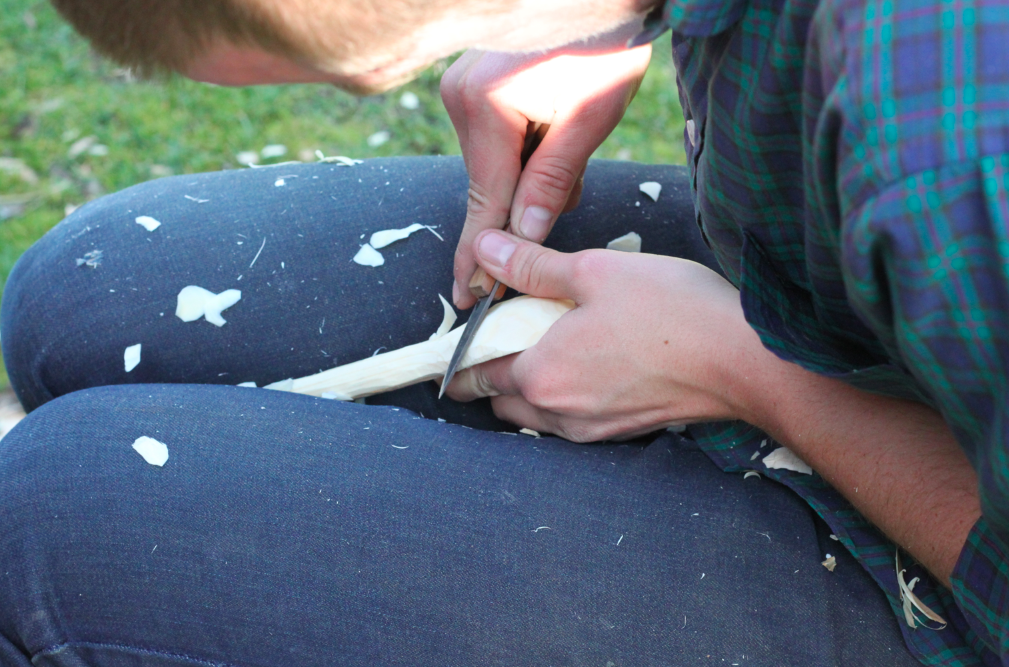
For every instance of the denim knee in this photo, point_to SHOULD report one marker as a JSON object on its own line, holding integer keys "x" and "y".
{"x": 51, "y": 312}
{"x": 48, "y": 491}
{"x": 28, "y": 296}
{"x": 39, "y": 303}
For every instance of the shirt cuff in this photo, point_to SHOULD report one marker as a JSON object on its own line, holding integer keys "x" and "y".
{"x": 980, "y": 583}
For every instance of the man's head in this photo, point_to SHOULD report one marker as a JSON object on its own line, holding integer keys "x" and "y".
{"x": 361, "y": 45}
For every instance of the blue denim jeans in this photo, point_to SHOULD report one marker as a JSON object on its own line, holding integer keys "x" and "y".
{"x": 289, "y": 530}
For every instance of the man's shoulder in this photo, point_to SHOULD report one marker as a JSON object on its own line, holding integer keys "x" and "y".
{"x": 913, "y": 85}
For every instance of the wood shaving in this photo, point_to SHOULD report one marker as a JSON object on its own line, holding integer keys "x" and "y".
{"x": 154, "y": 452}
{"x": 195, "y": 302}
{"x": 652, "y": 189}
{"x": 147, "y": 222}
{"x": 911, "y": 601}
{"x": 258, "y": 253}
{"x": 251, "y": 385}
{"x": 368, "y": 256}
{"x": 91, "y": 259}
{"x": 269, "y": 166}
{"x": 829, "y": 562}
{"x": 282, "y": 385}
{"x": 629, "y": 242}
{"x": 383, "y": 238}
{"x": 751, "y": 473}
{"x": 341, "y": 160}
{"x": 131, "y": 358}
{"x": 447, "y": 320}
{"x": 784, "y": 458}
{"x": 529, "y": 431}
{"x": 335, "y": 396}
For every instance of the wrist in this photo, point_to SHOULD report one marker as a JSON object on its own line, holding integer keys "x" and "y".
{"x": 895, "y": 461}
{"x": 753, "y": 381}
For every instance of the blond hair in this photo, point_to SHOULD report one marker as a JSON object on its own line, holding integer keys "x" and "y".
{"x": 152, "y": 36}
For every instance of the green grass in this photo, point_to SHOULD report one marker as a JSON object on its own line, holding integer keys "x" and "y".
{"x": 56, "y": 92}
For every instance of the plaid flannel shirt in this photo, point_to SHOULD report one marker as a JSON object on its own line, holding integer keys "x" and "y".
{"x": 850, "y": 161}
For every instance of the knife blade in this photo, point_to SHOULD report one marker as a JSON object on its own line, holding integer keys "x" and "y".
{"x": 475, "y": 319}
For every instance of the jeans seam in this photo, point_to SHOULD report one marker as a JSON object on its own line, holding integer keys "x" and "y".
{"x": 51, "y": 650}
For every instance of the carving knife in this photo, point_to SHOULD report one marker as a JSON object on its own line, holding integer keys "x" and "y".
{"x": 534, "y": 135}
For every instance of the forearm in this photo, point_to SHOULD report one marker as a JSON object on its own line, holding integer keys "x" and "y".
{"x": 896, "y": 461}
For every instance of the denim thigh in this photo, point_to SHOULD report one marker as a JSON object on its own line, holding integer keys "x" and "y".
{"x": 289, "y": 530}
{"x": 285, "y": 236}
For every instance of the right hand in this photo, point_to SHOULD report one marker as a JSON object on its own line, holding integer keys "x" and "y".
{"x": 491, "y": 99}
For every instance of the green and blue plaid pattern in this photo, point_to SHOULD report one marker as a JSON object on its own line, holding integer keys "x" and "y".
{"x": 850, "y": 161}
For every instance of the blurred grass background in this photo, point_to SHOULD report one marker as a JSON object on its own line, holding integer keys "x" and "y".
{"x": 73, "y": 127}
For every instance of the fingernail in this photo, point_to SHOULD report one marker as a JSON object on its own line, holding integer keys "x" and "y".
{"x": 535, "y": 222}
{"x": 496, "y": 248}
{"x": 455, "y": 293}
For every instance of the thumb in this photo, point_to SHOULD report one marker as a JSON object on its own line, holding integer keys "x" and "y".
{"x": 527, "y": 267}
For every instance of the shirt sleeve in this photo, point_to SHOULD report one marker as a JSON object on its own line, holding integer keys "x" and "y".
{"x": 981, "y": 587}
{"x": 926, "y": 265}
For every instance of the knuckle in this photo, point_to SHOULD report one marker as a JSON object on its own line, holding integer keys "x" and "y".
{"x": 449, "y": 85}
{"x": 554, "y": 177}
{"x": 483, "y": 384}
{"x": 473, "y": 95}
{"x": 450, "y": 98}
{"x": 529, "y": 266}
{"x": 540, "y": 392}
{"x": 479, "y": 203}
{"x": 589, "y": 267}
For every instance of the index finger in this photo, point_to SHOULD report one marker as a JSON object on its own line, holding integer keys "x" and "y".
{"x": 492, "y": 157}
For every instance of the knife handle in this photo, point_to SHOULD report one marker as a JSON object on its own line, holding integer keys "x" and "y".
{"x": 480, "y": 285}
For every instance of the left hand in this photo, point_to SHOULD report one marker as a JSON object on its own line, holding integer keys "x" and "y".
{"x": 493, "y": 97}
{"x": 652, "y": 342}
